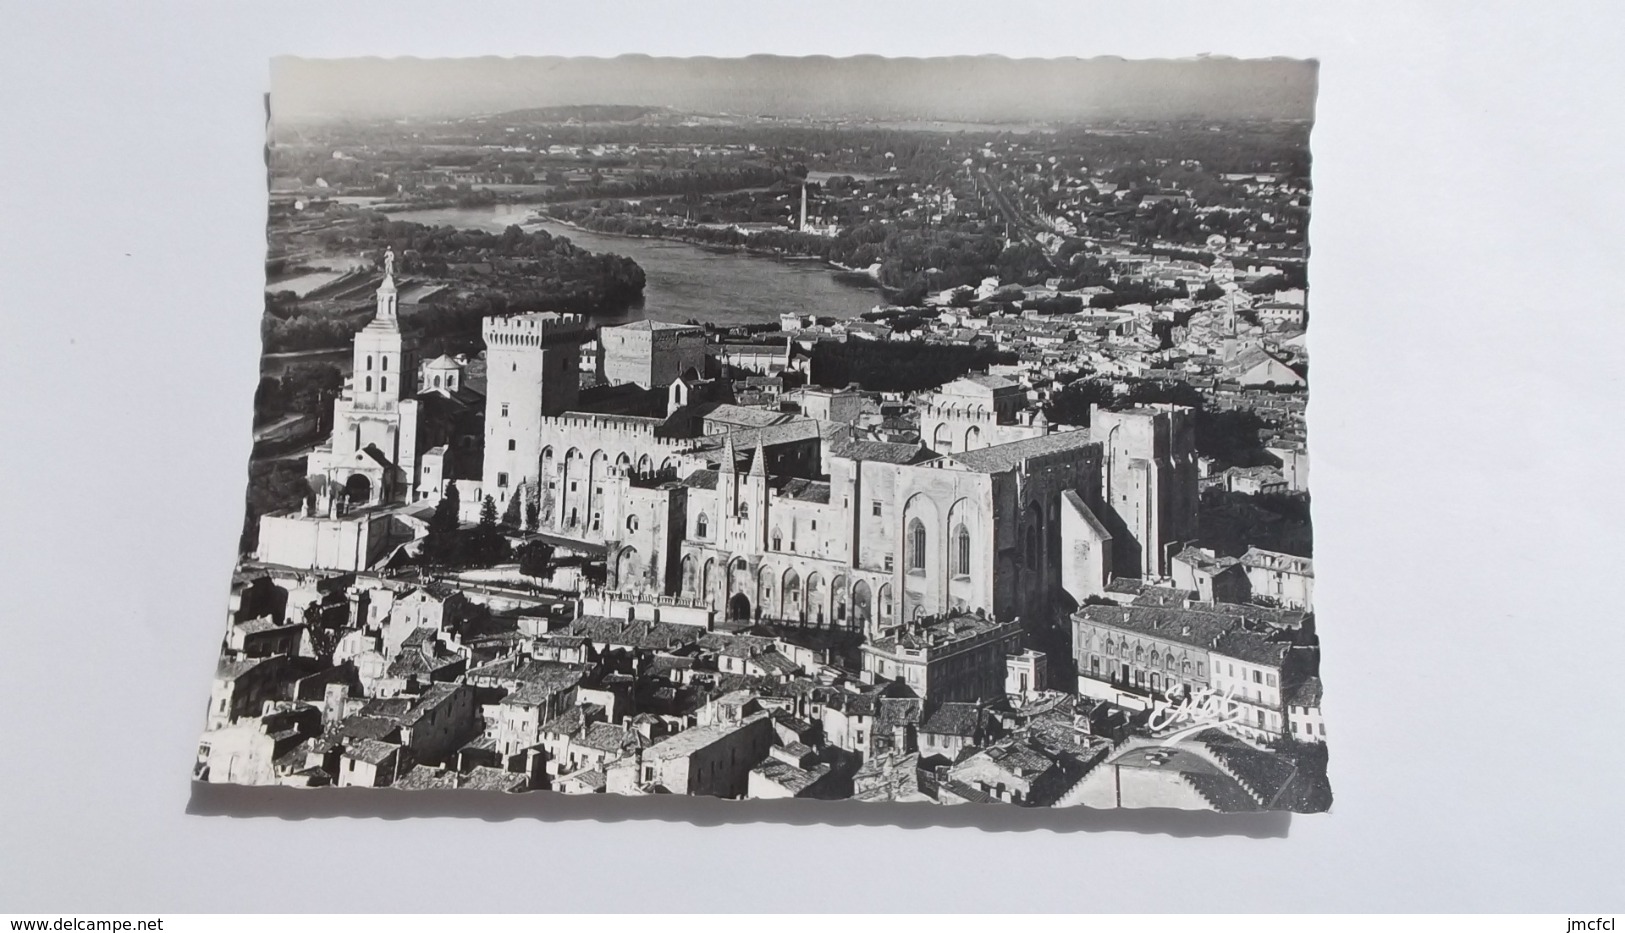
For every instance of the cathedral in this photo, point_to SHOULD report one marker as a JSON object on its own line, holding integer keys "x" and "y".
{"x": 753, "y": 514}
{"x": 400, "y": 428}
{"x": 789, "y": 518}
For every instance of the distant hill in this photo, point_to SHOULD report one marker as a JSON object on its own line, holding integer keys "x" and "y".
{"x": 582, "y": 113}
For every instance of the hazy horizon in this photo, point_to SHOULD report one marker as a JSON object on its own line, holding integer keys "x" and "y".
{"x": 989, "y": 89}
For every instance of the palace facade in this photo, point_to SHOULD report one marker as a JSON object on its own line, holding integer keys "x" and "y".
{"x": 790, "y": 519}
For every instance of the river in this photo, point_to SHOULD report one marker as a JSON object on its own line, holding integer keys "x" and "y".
{"x": 683, "y": 280}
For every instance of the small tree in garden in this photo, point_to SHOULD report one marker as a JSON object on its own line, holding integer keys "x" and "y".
{"x": 536, "y": 559}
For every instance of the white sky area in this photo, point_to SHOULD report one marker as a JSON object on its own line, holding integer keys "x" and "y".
{"x": 985, "y": 88}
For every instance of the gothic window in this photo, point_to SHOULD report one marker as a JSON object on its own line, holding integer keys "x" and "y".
{"x": 437, "y": 382}
{"x": 962, "y": 551}
{"x": 778, "y": 540}
{"x": 916, "y": 545}
{"x": 744, "y": 510}
{"x": 702, "y": 527}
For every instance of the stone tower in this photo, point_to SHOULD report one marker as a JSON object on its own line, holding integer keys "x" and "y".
{"x": 1149, "y": 479}
{"x": 532, "y": 371}
{"x": 383, "y": 367}
{"x": 372, "y": 454}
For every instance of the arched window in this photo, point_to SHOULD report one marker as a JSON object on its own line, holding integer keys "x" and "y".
{"x": 383, "y": 383}
{"x": 437, "y": 382}
{"x": 369, "y": 382}
{"x": 631, "y": 523}
{"x": 778, "y": 540}
{"x": 962, "y": 551}
{"x": 369, "y": 361}
{"x": 702, "y": 527}
{"x": 792, "y": 593}
{"x": 383, "y": 363}
{"x": 1139, "y": 652}
{"x": 744, "y": 510}
{"x": 915, "y": 559}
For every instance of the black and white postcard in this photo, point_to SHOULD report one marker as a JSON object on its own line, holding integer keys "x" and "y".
{"x": 860, "y": 429}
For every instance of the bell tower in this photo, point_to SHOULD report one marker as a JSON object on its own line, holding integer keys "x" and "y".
{"x": 382, "y": 367}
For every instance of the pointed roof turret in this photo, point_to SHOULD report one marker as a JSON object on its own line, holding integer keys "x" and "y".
{"x": 758, "y": 463}
{"x": 730, "y": 457}
{"x": 388, "y": 300}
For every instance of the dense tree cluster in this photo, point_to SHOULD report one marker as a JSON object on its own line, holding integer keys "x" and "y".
{"x": 491, "y": 273}
{"x": 690, "y": 182}
{"x": 535, "y": 558}
{"x": 1230, "y": 438}
{"x": 1233, "y": 521}
{"x": 448, "y": 545}
{"x": 897, "y": 366}
{"x": 273, "y": 486}
{"x": 303, "y": 389}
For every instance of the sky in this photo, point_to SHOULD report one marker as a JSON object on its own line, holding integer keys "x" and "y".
{"x": 970, "y": 89}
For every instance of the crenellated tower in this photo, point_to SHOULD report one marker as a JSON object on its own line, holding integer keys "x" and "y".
{"x": 532, "y": 372}
{"x": 1150, "y": 484}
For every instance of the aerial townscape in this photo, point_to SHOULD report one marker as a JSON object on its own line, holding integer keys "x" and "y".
{"x": 634, "y": 450}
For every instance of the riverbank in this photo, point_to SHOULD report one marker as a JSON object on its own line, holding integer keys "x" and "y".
{"x": 869, "y": 277}
{"x": 712, "y": 283}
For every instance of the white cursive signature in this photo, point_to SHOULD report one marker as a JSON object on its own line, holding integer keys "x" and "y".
{"x": 1201, "y": 710}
